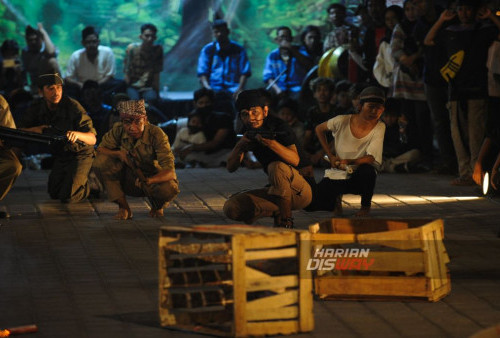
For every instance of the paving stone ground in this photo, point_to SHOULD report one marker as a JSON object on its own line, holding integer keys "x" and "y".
{"x": 75, "y": 272}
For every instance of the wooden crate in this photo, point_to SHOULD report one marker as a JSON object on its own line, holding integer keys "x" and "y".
{"x": 408, "y": 259}
{"x": 235, "y": 280}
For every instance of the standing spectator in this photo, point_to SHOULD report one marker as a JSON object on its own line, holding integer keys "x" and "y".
{"x": 384, "y": 63}
{"x": 286, "y": 66}
{"x": 39, "y": 56}
{"x": 467, "y": 46}
{"x": 142, "y": 66}
{"x": 375, "y": 32}
{"x": 223, "y": 66}
{"x": 408, "y": 84}
{"x": 436, "y": 88}
{"x": 342, "y": 32}
{"x": 10, "y": 167}
{"x": 56, "y": 113}
{"x": 93, "y": 62}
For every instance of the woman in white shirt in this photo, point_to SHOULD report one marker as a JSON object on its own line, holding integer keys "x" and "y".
{"x": 358, "y": 147}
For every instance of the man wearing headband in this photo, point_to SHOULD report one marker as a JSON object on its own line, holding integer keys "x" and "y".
{"x": 55, "y": 113}
{"x": 280, "y": 158}
{"x": 359, "y": 139}
{"x": 149, "y": 147}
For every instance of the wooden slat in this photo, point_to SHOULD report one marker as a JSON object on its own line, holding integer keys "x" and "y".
{"x": 273, "y": 283}
{"x": 270, "y": 254}
{"x": 197, "y": 248}
{"x": 272, "y": 328}
{"x": 288, "y": 312}
{"x": 306, "y": 317}
{"x": 252, "y": 273}
{"x": 239, "y": 287}
{"x": 372, "y": 286}
{"x": 400, "y": 239}
{"x": 410, "y": 262}
{"x": 271, "y": 240}
{"x": 331, "y": 239}
{"x": 276, "y": 301}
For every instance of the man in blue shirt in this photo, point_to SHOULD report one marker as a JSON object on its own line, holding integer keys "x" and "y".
{"x": 223, "y": 64}
{"x": 287, "y": 65}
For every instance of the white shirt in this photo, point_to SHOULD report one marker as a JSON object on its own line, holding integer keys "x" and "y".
{"x": 184, "y": 138}
{"x": 81, "y": 69}
{"x": 347, "y": 146}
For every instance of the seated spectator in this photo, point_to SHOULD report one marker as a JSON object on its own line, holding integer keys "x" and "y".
{"x": 358, "y": 146}
{"x": 148, "y": 144}
{"x": 187, "y": 136}
{"x": 286, "y": 66}
{"x": 354, "y": 92}
{"x": 39, "y": 56}
{"x": 142, "y": 66}
{"x": 287, "y": 111}
{"x": 311, "y": 40}
{"x": 218, "y": 129}
{"x": 323, "y": 90}
{"x": 223, "y": 67}
{"x": 11, "y": 78}
{"x": 97, "y": 110}
{"x": 400, "y": 151}
{"x": 93, "y": 62}
{"x": 343, "y": 100}
{"x": 384, "y": 62}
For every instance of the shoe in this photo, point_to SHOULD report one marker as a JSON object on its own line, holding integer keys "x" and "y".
{"x": 463, "y": 181}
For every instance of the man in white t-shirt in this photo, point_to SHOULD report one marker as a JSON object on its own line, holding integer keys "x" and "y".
{"x": 358, "y": 140}
{"x": 93, "y": 62}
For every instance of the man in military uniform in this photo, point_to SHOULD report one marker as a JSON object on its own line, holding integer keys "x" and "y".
{"x": 135, "y": 148}
{"x": 10, "y": 167}
{"x": 55, "y": 113}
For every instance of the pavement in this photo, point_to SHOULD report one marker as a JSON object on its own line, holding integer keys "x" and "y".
{"x": 75, "y": 272}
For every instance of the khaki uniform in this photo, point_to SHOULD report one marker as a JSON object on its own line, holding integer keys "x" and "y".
{"x": 153, "y": 154}
{"x": 285, "y": 182}
{"x": 68, "y": 180}
{"x": 10, "y": 167}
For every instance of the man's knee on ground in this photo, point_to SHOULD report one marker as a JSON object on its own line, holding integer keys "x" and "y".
{"x": 167, "y": 191}
{"x": 239, "y": 208}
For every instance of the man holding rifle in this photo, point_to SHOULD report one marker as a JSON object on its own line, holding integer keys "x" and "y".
{"x": 134, "y": 158}
{"x": 55, "y": 113}
{"x": 274, "y": 145}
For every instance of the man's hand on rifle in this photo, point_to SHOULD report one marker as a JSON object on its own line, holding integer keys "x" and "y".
{"x": 73, "y": 136}
{"x": 266, "y": 142}
{"x": 123, "y": 156}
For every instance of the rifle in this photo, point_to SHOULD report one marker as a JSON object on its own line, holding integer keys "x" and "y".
{"x": 142, "y": 179}
{"x": 21, "y": 137}
{"x": 269, "y": 134}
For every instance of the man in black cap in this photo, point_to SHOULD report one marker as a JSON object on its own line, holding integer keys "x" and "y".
{"x": 358, "y": 141}
{"x": 275, "y": 146}
{"x": 55, "y": 113}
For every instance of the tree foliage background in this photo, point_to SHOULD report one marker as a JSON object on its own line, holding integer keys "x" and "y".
{"x": 182, "y": 27}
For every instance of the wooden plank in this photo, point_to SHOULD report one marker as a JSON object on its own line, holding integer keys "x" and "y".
{"x": 332, "y": 239}
{"x": 166, "y": 317}
{"x": 400, "y": 239}
{"x": 273, "y": 283}
{"x": 239, "y": 287}
{"x": 372, "y": 286}
{"x": 272, "y": 328}
{"x": 197, "y": 248}
{"x": 270, "y": 240}
{"x": 270, "y": 254}
{"x": 252, "y": 273}
{"x": 306, "y": 317}
{"x": 288, "y": 312}
{"x": 276, "y": 301}
{"x": 409, "y": 262}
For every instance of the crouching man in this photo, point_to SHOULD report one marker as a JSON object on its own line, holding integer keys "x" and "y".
{"x": 134, "y": 158}
{"x": 274, "y": 145}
